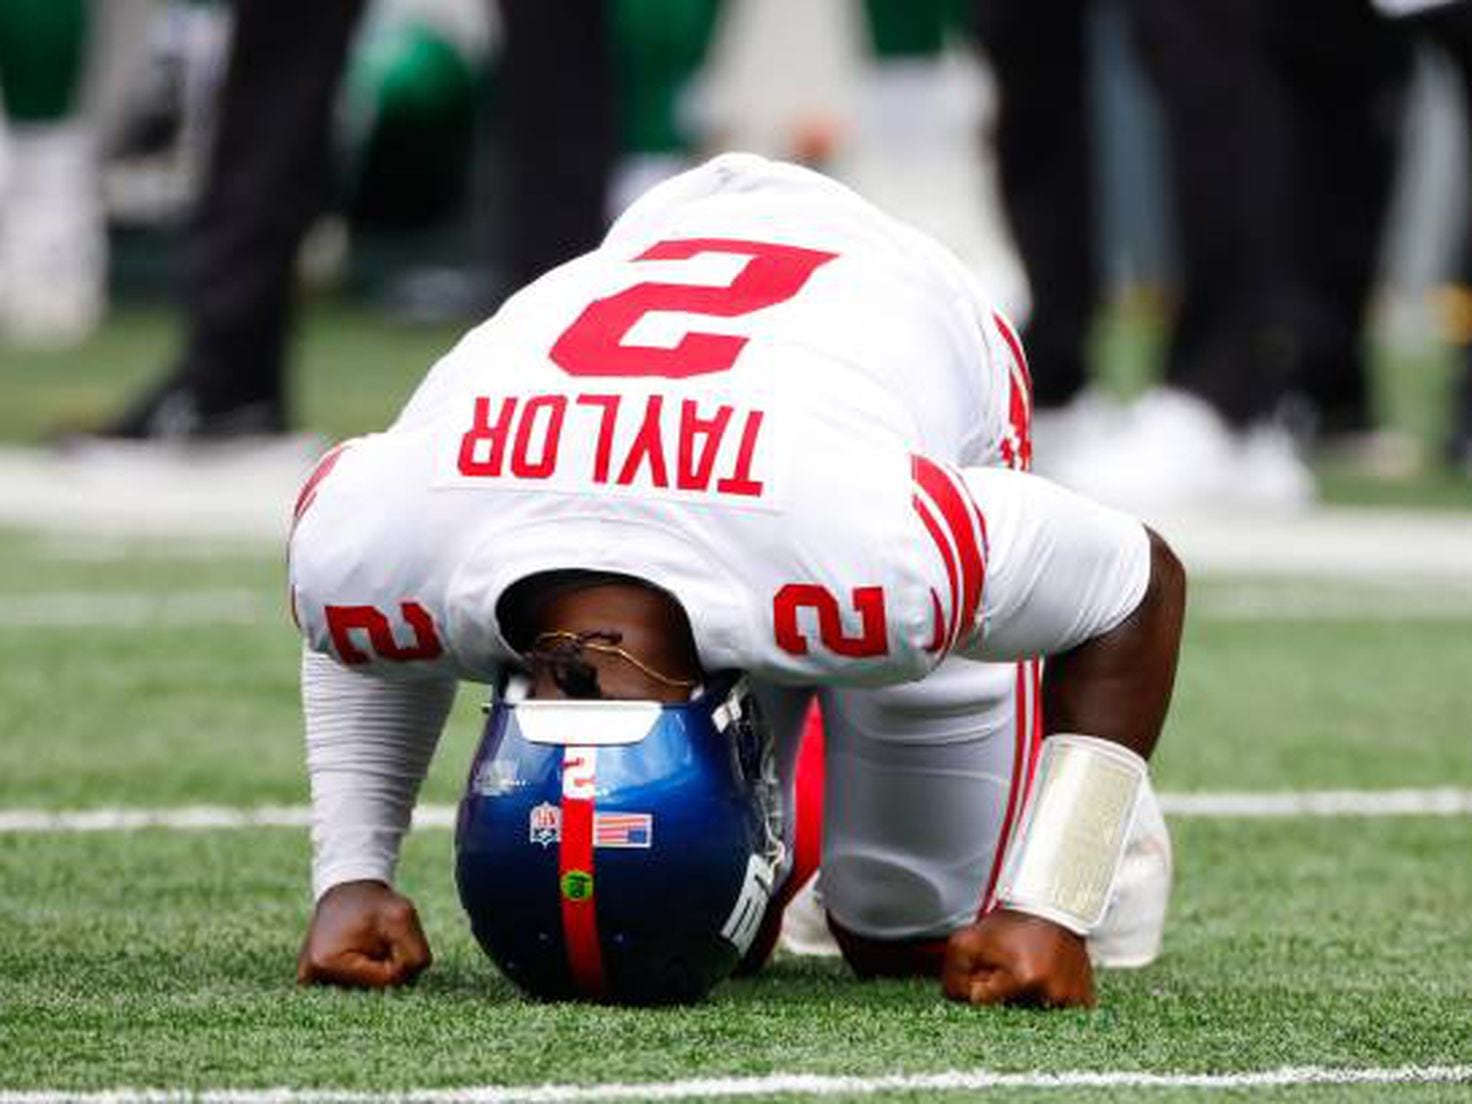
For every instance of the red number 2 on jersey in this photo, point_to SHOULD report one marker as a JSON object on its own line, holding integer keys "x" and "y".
{"x": 592, "y": 345}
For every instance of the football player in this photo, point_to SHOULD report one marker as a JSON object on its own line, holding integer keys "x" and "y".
{"x": 764, "y": 429}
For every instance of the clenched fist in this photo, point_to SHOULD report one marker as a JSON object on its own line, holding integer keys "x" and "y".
{"x": 1015, "y": 958}
{"x": 363, "y": 934}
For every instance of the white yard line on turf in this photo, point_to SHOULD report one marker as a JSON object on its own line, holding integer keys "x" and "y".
{"x": 101, "y": 609}
{"x": 1446, "y": 801}
{"x": 791, "y": 1084}
{"x": 1443, "y": 801}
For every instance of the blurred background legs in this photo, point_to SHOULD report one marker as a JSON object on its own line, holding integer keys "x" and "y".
{"x": 1449, "y": 29}
{"x": 1280, "y": 123}
{"x": 560, "y": 130}
{"x": 1279, "y": 143}
{"x": 659, "y": 47}
{"x": 270, "y": 175}
{"x": 917, "y": 146}
{"x": 53, "y": 248}
{"x": 1039, "y": 55}
{"x": 267, "y": 178}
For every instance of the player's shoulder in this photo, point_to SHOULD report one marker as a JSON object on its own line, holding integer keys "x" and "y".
{"x": 366, "y": 561}
{"x": 361, "y": 498}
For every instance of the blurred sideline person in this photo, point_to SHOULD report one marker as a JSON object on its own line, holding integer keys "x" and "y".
{"x": 1045, "y": 159}
{"x": 1448, "y": 24}
{"x": 659, "y": 47}
{"x": 53, "y": 249}
{"x": 1282, "y": 123}
{"x": 917, "y": 150}
{"x": 269, "y": 173}
{"x": 908, "y": 138}
{"x": 763, "y": 430}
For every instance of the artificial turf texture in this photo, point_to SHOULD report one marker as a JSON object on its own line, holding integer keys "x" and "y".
{"x": 159, "y": 958}
{"x": 164, "y": 959}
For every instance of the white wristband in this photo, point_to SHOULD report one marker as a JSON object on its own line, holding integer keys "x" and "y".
{"x": 1065, "y": 856}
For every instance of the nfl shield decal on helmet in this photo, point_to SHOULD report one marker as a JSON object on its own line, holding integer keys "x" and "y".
{"x": 545, "y": 824}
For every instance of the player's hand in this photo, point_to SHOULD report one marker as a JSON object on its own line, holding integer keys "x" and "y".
{"x": 1015, "y": 958}
{"x": 363, "y": 934}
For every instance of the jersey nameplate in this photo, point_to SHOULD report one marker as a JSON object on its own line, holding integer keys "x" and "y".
{"x": 639, "y": 444}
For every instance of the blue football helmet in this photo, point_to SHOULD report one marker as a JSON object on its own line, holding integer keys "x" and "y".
{"x": 616, "y": 850}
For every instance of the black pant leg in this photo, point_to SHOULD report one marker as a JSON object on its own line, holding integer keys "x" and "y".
{"x": 1450, "y": 28}
{"x": 1345, "y": 69}
{"x": 1045, "y": 166}
{"x": 1228, "y": 139}
{"x": 559, "y": 130}
{"x": 267, "y": 178}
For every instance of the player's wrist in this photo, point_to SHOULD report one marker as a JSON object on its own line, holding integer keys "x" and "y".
{"x": 333, "y": 878}
{"x": 1062, "y": 864}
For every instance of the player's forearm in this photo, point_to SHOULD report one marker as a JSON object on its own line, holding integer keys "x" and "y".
{"x": 1104, "y": 701}
{"x": 1117, "y": 686}
{"x": 369, "y": 743}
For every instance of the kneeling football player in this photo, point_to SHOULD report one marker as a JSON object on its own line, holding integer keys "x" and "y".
{"x": 764, "y": 447}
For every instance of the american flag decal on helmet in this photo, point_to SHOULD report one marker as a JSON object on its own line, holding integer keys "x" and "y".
{"x": 959, "y": 532}
{"x": 623, "y": 830}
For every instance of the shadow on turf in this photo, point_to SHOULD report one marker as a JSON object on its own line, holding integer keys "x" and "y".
{"x": 799, "y": 980}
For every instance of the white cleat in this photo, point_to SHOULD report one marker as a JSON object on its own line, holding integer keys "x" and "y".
{"x": 1171, "y": 452}
{"x": 1129, "y": 936}
{"x": 805, "y": 925}
{"x": 1081, "y": 428}
{"x": 915, "y": 154}
{"x": 53, "y": 245}
{"x": 1271, "y": 475}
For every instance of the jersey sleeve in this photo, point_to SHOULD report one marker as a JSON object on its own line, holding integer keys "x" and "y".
{"x": 1060, "y": 569}
{"x": 367, "y": 569}
{"x": 369, "y": 742}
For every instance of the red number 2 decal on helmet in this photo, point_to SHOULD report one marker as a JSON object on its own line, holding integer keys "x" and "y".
{"x": 593, "y": 345}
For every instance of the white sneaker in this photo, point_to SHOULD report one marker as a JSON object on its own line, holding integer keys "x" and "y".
{"x": 1270, "y": 474}
{"x": 53, "y": 246}
{"x": 1079, "y": 428}
{"x": 1172, "y": 452}
{"x": 1130, "y": 934}
{"x": 805, "y": 925}
{"x": 1169, "y": 450}
{"x": 915, "y": 154}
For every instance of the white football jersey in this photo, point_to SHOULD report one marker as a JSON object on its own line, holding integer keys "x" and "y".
{"x": 759, "y": 395}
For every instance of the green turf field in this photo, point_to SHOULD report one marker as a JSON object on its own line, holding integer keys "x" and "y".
{"x": 163, "y": 958}
{"x": 148, "y": 675}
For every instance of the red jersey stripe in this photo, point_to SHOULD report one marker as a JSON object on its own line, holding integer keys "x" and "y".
{"x": 1021, "y": 778}
{"x": 1019, "y": 358}
{"x": 1017, "y": 449}
{"x": 948, "y": 557}
{"x": 967, "y": 530}
{"x": 939, "y": 637}
{"x": 308, "y": 493}
{"x": 1037, "y": 724}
